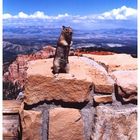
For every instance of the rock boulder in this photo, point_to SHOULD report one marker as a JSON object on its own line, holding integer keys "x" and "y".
{"x": 126, "y": 84}
{"x": 84, "y": 75}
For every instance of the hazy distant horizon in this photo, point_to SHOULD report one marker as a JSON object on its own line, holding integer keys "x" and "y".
{"x": 107, "y": 24}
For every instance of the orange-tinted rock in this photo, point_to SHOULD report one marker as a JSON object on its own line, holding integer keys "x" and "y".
{"x": 126, "y": 83}
{"x": 99, "y": 53}
{"x": 11, "y": 106}
{"x": 115, "y": 62}
{"x": 17, "y": 70}
{"x": 103, "y": 98}
{"x": 103, "y": 83}
{"x": 42, "y": 85}
{"x": 31, "y": 125}
{"x": 65, "y": 124}
{"x": 16, "y": 73}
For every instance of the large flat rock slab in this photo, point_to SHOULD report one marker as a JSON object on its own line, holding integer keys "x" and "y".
{"x": 65, "y": 124}
{"x": 76, "y": 86}
{"x": 115, "y": 61}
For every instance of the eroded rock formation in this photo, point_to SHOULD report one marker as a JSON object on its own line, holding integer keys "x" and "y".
{"x": 14, "y": 78}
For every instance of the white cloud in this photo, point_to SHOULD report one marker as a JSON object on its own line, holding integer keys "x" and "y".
{"x": 37, "y": 14}
{"x": 120, "y": 17}
{"x": 22, "y": 15}
{"x": 61, "y": 16}
{"x": 122, "y": 13}
{"x": 7, "y": 15}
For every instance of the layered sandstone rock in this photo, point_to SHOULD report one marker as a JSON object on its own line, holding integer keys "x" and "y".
{"x": 84, "y": 75}
{"x": 115, "y": 61}
{"x": 65, "y": 124}
{"x": 17, "y": 70}
{"x": 115, "y": 123}
{"x": 126, "y": 82}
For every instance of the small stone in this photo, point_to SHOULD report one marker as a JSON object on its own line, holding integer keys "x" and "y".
{"x": 103, "y": 98}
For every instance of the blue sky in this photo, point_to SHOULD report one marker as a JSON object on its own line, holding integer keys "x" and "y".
{"x": 77, "y": 13}
{"x": 54, "y": 7}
